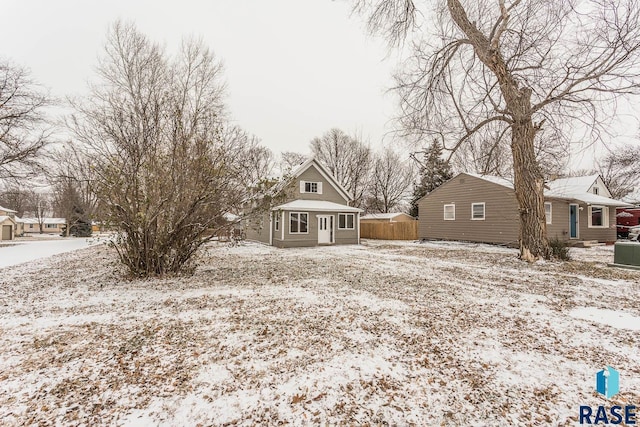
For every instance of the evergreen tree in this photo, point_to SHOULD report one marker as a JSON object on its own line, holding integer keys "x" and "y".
{"x": 434, "y": 171}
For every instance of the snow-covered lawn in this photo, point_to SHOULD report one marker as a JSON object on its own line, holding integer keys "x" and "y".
{"x": 20, "y": 251}
{"x": 395, "y": 332}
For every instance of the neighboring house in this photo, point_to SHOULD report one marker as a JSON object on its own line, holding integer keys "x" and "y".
{"x": 386, "y": 217}
{"x": 49, "y": 225}
{"x": 311, "y": 209}
{"x": 480, "y": 208}
{"x": 19, "y": 226}
{"x": 8, "y": 224}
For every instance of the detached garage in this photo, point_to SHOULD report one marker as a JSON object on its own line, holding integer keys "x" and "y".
{"x": 8, "y": 227}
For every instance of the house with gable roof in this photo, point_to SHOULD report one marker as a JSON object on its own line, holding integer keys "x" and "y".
{"x": 312, "y": 209}
{"x": 482, "y": 208}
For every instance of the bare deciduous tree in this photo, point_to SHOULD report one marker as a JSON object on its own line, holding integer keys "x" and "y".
{"x": 154, "y": 128}
{"x": 391, "y": 182}
{"x": 347, "y": 158}
{"x": 619, "y": 169}
{"x": 39, "y": 206}
{"x": 524, "y": 69}
{"x": 23, "y": 130}
{"x": 257, "y": 160}
{"x": 289, "y": 160}
{"x": 13, "y": 197}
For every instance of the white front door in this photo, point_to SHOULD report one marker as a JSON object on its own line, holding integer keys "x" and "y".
{"x": 325, "y": 229}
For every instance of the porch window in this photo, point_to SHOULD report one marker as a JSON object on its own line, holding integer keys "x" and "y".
{"x": 598, "y": 216}
{"x": 298, "y": 223}
{"x": 548, "y": 211}
{"x": 477, "y": 211}
{"x": 277, "y": 221}
{"x": 449, "y": 212}
{"x": 346, "y": 221}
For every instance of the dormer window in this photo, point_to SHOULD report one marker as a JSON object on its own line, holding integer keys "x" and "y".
{"x": 596, "y": 190}
{"x": 311, "y": 187}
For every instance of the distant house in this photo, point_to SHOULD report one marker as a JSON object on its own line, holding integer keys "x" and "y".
{"x": 8, "y": 224}
{"x": 312, "y": 209}
{"x": 49, "y": 225}
{"x": 386, "y": 217}
{"x": 482, "y": 208}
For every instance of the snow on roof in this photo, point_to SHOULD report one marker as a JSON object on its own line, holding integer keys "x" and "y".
{"x": 573, "y": 188}
{"x": 572, "y": 185}
{"x": 589, "y": 198}
{"x": 7, "y": 209}
{"x": 495, "y": 179}
{"x": 228, "y": 216}
{"x": 577, "y": 188}
{"x": 5, "y": 217}
{"x": 315, "y": 206}
{"x": 44, "y": 221}
{"x": 382, "y": 215}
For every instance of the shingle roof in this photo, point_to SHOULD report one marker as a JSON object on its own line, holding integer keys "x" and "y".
{"x": 5, "y": 217}
{"x": 573, "y": 188}
{"x": 315, "y": 206}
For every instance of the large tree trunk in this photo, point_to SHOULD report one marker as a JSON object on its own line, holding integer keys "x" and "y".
{"x": 529, "y": 189}
{"x": 528, "y": 179}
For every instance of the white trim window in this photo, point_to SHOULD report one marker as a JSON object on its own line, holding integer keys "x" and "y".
{"x": 277, "y": 221}
{"x": 548, "y": 212}
{"x": 311, "y": 187}
{"x": 298, "y": 223}
{"x": 477, "y": 211}
{"x": 346, "y": 221}
{"x": 51, "y": 226}
{"x": 598, "y": 216}
{"x": 450, "y": 212}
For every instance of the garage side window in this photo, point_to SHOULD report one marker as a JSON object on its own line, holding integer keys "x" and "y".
{"x": 449, "y": 212}
{"x": 477, "y": 211}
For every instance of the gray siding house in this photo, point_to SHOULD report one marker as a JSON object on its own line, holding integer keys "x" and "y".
{"x": 312, "y": 209}
{"x": 480, "y": 208}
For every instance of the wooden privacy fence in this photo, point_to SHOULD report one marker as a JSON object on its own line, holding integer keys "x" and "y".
{"x": 407, "y": 230}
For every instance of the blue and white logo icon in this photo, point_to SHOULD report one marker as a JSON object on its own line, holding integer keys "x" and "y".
{"x": 608, "y": 382}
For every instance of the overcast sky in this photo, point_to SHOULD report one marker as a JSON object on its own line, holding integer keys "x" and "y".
{"x": 294, "y": 69}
